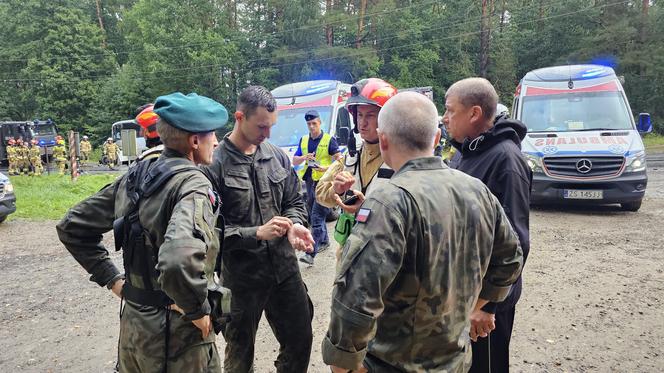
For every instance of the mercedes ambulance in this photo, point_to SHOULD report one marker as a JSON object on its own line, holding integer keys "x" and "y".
{"x": 328, "y": 97}
{"x": 583, "y": 144}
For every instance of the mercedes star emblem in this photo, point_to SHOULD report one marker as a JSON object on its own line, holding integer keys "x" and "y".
{"x": 584, "y": 165}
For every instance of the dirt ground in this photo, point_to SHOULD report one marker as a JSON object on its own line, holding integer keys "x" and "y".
{"x": 592, "y": 301}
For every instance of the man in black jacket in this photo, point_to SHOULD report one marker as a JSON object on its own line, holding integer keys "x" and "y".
{"x": 489, "y": 148}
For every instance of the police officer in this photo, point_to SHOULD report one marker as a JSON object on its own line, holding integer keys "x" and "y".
{"x": 426, "y": 245}
{"x": 86, "y": 149}
{"x": 165, "y": 325}
{"x": 317, "y": 150}
{"x": 265, "y": 218}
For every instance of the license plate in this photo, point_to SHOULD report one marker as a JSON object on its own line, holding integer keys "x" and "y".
{"x": 583, "y": 194}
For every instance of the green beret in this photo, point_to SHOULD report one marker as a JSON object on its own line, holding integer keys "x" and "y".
{"x": 191, "y": 113}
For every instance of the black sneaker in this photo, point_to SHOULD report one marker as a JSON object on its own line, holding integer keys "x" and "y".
{"x": 308, "y": 259}
{"x": 323, "y": 247}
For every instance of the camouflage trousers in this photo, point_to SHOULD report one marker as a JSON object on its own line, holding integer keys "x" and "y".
{"x": 289, "y": 312}
{"x": 143, "y": 334}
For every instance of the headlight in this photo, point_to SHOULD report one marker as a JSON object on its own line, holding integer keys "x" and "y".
{"x": 9, "y": 188}
{"x": 636, "y": 162}
{"x": 534, "y": 162}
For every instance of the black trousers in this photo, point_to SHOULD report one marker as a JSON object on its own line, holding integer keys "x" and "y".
{"x": 289, "y": 312}
{"x": 492, "y": 354}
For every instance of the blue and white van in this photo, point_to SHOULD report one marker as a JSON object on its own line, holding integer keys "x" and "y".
{"x": 583, "y": 144}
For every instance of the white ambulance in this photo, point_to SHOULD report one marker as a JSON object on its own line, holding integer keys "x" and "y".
{"x": 328, "y": 97}
{"x": 583, "y": 144}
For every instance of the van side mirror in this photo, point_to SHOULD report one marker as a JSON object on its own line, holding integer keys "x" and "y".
{"x": 644, "y": 124}
{"x": 343, "y": 133}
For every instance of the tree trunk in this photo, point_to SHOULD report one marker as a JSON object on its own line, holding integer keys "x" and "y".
{"x": 502, "y": 16}
{"x": 642, "y": 34}
{"x": 360, "y": 23}
{"x": 101, "y": 24}
{"x": 329, "y": 30}
{"x": 485, "y": 34}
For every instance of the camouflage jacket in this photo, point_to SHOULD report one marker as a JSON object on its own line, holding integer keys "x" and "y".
{"x": 255, "y": 188}
{"x": 424, "y": 247}
{"x": 180, "y": 221}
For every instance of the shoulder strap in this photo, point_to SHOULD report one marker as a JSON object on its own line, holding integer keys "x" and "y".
{"x": 163, "y": 170}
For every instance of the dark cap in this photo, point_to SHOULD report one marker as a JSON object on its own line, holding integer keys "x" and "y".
{"x": 191, "y": 113}
{"x": 310, "y": 115}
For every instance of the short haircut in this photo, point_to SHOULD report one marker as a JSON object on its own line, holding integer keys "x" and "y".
{"x": 173, "y": 138}
{"x": 476, "y": 92}
{"x": 409, "y": 119}
{"x": 253, "y": 97}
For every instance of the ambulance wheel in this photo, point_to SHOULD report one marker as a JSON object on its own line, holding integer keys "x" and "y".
{"x": 631, "y": 206}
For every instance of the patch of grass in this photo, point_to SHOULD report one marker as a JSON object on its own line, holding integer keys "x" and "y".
{"x": 48, "y": 197}
{"x": 653, "y": 141}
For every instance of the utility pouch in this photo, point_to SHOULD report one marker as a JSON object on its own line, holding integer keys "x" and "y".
{"x": 219, "y": 298}
{"x": 343, "y": 227}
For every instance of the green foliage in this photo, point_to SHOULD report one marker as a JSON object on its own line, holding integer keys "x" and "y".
{"x": 654, "y": 142}
{"x": 48, "y": 197}
{"x": 56, "y": 59}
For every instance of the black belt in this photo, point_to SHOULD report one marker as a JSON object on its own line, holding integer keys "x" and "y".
{"x": 153, "y": 298}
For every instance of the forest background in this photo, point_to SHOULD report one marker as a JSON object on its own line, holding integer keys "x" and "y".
{"x": 89, "y": 63}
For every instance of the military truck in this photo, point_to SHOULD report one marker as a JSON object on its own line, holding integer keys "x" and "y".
{"x": 43, "y": 131}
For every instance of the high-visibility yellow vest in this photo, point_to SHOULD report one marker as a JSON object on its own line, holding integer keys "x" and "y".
{"x": 323, "y": 157}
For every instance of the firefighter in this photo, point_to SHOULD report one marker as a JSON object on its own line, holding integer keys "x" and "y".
{"x": 86, "y": 149}
{"x": 35, "y": 159}
{"x": 23, "y": 158}
{"x": 60, "y": 155}
{"x": 111, "y": 152}
{"x": 12, "y": 157}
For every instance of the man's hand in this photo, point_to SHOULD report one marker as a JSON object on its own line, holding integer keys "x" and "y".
{"x": 351, "y": 209}
{"x": 117, "y": 287}
{"x": 321, "y": 169}
{"x": 300, "y": 238}
{"x": 310, "y": 157}
{"x": 204, "y": 325}
{"x": 343, "y": 181}
{"x": 481, "y": 324}
{"x": 276, "y": 227}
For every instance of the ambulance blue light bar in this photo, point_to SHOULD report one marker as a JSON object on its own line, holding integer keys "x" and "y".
{"x": 308, "y": 88}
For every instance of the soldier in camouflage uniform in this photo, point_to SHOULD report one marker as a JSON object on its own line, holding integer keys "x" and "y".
{"x": 165, "y": 324}
{"x": 265, "y": 215}
{"x": 426, "y": 245}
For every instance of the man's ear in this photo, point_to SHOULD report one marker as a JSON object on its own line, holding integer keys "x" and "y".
{"x": 239, "y": 116}
{"x": 477, "y": 115}
{"x": 193, "y": 141}
{"x": 383, "y": 141}
{"x": 436, "y": 138}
